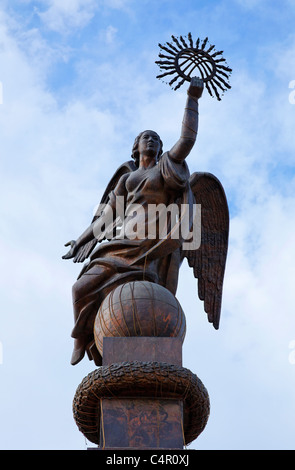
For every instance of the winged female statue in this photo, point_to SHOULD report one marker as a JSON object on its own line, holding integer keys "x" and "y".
{"x": 151, "y": 178}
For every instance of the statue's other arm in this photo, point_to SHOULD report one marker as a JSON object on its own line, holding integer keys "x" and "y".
{"x": 189, "y": 128}
{"x": 99, "y": 225}
{"x": 89, "y": 233}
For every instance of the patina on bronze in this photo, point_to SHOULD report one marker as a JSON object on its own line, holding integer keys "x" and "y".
{"x": 127, "y": 289}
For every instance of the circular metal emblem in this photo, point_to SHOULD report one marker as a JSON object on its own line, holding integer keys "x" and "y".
{"x": 185, "y": 60}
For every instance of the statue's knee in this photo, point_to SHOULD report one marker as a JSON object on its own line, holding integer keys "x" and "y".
{"x": 76, "y": 290}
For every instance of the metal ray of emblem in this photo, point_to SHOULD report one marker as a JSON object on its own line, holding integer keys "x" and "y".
{"x": 181, "y": 59}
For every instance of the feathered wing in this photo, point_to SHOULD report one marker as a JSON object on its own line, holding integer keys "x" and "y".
{"x": 208, "y": 261}
{"x": 86, "y": 249}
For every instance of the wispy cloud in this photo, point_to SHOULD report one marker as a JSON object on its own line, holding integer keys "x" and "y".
{"x": 67, "y": 15}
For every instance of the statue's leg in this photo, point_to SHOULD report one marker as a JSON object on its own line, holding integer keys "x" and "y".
{"x": 85, "y": 297}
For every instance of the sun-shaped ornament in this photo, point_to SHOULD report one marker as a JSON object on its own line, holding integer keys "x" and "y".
{"x": 185, "y": 61}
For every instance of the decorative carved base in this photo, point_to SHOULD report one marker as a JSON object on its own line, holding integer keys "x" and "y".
{"x": 121, "y": 405}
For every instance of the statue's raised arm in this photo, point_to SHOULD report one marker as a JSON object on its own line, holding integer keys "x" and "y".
{"x": 189, "y": 128}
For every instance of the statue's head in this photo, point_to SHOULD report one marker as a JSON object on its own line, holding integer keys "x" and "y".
{"x": 140, "y": 139}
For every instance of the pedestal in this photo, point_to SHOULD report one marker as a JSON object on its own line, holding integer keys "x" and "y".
{"x": 141, "y": 422}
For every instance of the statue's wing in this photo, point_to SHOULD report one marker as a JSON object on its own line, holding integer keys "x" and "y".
{"x": 208, "y": 261}
{"x": 86, "y": 249}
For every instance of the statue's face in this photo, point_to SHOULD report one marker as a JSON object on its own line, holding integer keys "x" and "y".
{"x": 149, "y": 144}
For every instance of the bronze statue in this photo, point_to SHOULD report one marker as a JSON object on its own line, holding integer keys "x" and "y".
{"x": 153, "y": 214}
{"x": 152, "y": 178}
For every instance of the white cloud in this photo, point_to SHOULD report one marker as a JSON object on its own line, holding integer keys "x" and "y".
{"x": 68, "y": 14}
{"x": 110, "y": 34}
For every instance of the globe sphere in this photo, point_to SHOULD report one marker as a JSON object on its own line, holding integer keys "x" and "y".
{"x": 139, "y": 308}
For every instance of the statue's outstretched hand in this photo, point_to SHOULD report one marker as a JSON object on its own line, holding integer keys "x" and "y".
{"x": 73, "y": 250}
{"x": 196, "y": 87}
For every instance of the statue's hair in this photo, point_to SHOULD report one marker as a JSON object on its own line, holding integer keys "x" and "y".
{"x": 135, "y": 152}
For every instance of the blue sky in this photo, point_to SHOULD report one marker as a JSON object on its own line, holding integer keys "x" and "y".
{"x": 78, "y": 80}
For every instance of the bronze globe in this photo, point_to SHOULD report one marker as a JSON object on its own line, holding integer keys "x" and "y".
{"x": 139, "y": 308}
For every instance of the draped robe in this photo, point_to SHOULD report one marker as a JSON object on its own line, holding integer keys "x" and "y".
{"x": 123, "y": 259}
